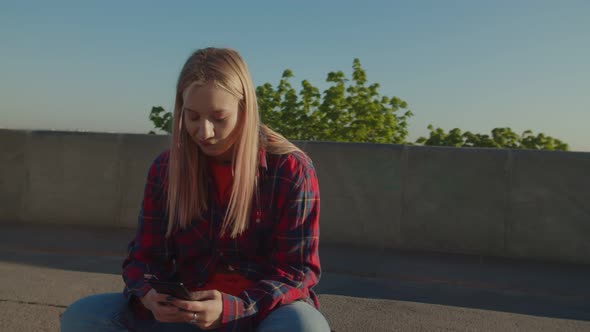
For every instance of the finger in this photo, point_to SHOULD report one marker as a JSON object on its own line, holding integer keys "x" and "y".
{"x": 192, "y": 306}
{"x": 187, "y": 316}
{"x": 202, "y": 320}
{"x": 203, "y": 317}
{"x": 165, "y": 311}
{"x": 173, "y": 315}
{"x": 162, "y": 318}
{"x": 159, "y": 297}
{"x": 166, "y": 317}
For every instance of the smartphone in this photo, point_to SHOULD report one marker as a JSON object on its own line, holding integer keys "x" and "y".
{"x": 172, "y": 288}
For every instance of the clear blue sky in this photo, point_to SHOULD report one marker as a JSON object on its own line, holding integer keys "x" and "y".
{"x": 475, "y": 65}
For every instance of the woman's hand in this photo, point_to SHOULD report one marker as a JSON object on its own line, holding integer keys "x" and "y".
{"x": 207, "y": 305}
{"x": 160, "y": 307}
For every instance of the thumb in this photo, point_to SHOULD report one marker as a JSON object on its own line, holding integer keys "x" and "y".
{"x": 203, "y": 295}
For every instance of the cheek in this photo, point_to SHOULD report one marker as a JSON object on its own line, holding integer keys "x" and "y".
{"x": 228, "y": 128}
{"x": 191, "y": 127}
{"x": 223, "y": 132}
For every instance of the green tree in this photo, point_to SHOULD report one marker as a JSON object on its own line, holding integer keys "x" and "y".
{"x": 161, "y": 119}
{"x": 344, "y": 113}
{"x": 356, "y": 112}
{"x": 499, "y": 138}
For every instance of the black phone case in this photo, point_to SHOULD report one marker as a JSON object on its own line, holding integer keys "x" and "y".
{"x": 175, "y": 289}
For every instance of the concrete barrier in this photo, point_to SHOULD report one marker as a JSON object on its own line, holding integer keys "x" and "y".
{"x": 361, "y": 191}
{"x": 13, "y": 173}
{"x": 137, "y": 152}
{"x": 493, "y": 202}
{"x": 455, "y": 200}
{"x": 549, "y": 212}
{"x": 72, "y": 178}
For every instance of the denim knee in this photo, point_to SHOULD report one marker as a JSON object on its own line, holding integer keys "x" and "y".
{"x": 295, "y": 317}
{"x": 102, "y": 312}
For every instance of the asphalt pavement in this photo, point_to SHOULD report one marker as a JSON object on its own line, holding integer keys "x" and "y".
{"x": 44, "y": 268}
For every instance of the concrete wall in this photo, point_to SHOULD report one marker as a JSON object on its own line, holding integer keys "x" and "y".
{"x": 74, "y": 178}
{"x": 511, "y": 203}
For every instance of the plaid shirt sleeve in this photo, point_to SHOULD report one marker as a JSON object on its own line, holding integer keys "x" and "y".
{"x": 295, "y": 265}
{"x": 149, "y": 252}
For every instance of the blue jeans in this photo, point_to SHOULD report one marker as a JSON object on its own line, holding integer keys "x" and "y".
{"x": 111, "y": 312}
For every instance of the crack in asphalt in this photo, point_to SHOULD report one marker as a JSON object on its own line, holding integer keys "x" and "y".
{"x": 34, "y": 303}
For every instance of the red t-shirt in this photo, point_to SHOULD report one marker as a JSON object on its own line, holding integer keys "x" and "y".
{"x": 229, "y": 283}
{"x": 223, "y": 177}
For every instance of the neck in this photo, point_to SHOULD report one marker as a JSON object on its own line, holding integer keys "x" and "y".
{"x": 220, "y": 161}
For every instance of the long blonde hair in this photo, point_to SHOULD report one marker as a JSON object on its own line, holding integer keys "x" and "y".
{"x": 187, "y": 170}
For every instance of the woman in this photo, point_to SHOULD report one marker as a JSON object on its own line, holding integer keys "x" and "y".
{"x": 231, "y": 210}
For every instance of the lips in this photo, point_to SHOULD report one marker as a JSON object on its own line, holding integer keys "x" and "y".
{"x": 205, "y": 143}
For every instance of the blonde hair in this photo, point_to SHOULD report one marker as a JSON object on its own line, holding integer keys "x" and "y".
{"x": 187, "y": 170}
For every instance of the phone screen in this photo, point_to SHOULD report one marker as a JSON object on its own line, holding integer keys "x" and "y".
{"x": 175, "y": 289}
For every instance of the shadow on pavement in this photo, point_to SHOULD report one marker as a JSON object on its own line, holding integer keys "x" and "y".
{"x": 522, "y": 287}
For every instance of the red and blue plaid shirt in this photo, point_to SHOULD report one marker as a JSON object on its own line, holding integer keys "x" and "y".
{"x": 278, "y": 251}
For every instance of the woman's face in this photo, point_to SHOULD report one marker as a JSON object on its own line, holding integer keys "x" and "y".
{"x": 210, "y": 117}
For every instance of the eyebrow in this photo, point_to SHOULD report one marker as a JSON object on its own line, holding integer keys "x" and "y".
{"x": 214, "y": 111}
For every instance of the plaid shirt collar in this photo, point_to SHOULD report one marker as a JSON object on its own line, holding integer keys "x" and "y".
{"x": 262, "y": 158}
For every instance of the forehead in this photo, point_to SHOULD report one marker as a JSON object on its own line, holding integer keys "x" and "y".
{"x": 208, "y": 98}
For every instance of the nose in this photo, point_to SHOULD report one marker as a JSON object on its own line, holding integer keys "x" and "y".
{"x": 205, "y": 130}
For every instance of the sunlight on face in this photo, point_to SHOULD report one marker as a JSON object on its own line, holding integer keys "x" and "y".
{"x": 211, "y": 117}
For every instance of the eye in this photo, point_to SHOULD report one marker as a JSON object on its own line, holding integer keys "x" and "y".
{"x": 193, "y": 117}
{"x": 220, "y": 120}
